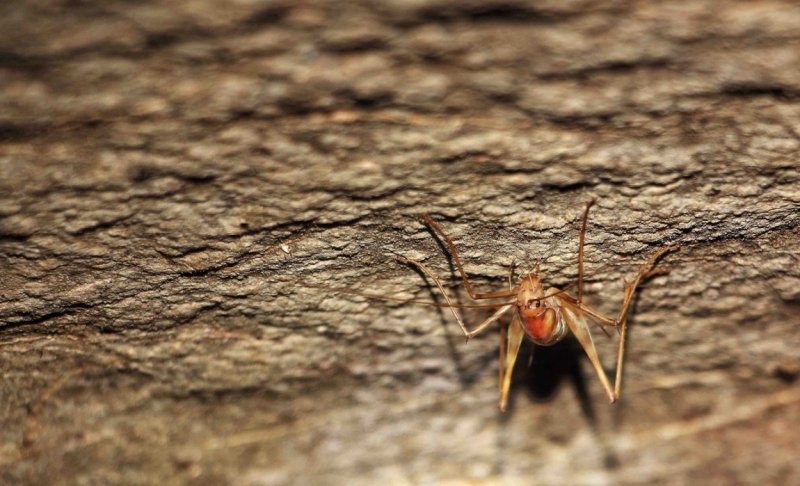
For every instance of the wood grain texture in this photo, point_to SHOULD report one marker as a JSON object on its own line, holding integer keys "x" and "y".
{"x": 175, "y": 177}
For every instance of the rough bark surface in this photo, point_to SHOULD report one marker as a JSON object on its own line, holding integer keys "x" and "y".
{"x": 176, "y": 177}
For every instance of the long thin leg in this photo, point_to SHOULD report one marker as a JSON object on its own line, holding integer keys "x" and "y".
{"x": 643, "y": 274}
{"x": 582, "y": 238}
{"x": 575, "y": 313}
{"x": 454, "y": 253}
{"x": 621, "y": 347}
{"x": 469, "y": 334}
{"x": 576, "y": 321}
{"x": 516, "y": 333}
{"x": 511, "y": 269}
{"x": 497, "y": 315}
{"x": 630, "y": 288}
{"x": 509, "y": 349}
{"x": 501, "y": 368}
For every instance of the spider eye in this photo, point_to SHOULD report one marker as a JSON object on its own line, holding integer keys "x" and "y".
{"x": 536, "y": 303}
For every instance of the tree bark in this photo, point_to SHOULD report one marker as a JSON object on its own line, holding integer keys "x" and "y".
{"x": 184, "y": 185}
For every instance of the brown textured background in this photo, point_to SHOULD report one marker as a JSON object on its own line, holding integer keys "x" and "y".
{"x": 173, "y": 173}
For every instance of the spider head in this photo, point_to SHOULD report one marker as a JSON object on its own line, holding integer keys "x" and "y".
{"x": 530, "y": 298}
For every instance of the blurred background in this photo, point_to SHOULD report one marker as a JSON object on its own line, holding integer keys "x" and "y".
{"x": 185, "y": 184}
